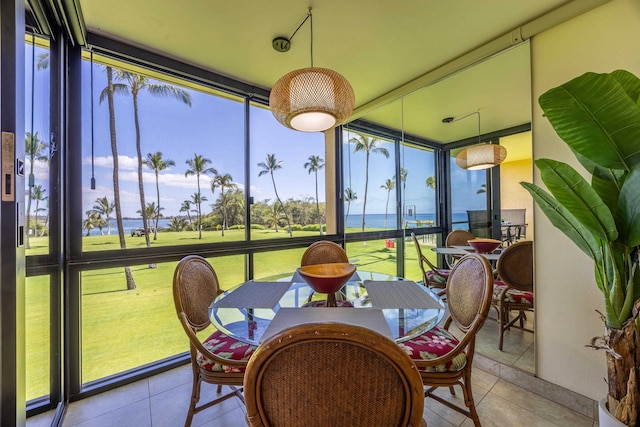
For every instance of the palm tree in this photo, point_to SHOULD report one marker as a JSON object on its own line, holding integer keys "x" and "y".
{"x": 431, "y": 182}
{"x": 367, "y": 145}
{"x": 349, "y": 196}
{"x": 108, "y": 94}
{"x": 157, "y": 164}
{"x": 103, "y": 207}
{"x": 403, "y": 180}
{"x": 177, "y": 224}
{"x": 314, "y": 164}
{"x": 269, "y": 167}
{"x": 199, "y": 166}
{"x": 151, "y": 211}
{"x": 92, "y": 221}
{"x": 186, "y": 207}
{"x": 389, "y": 185}
{"x": 223, "y": 181}
{"x": 38, "y": 195}
{"x": 35, "y": 152}
{"x": 482, "y": 189}
{"x": 135, "y": 84}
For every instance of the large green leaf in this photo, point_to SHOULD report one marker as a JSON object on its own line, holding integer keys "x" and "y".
{"x": 575, "y": 194}
{"x": 628, "y": 212}
{"x": 563, "y": 220}
{"x": 629, "y": 82}
{"x": 596, "y": 117}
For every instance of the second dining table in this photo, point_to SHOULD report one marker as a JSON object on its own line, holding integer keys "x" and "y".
{"x": 254, "y": 310}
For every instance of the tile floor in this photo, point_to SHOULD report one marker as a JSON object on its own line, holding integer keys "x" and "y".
{"x": 161, "y": 401}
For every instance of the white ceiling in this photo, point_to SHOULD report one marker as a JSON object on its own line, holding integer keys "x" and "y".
{"x": 378, "y": 45}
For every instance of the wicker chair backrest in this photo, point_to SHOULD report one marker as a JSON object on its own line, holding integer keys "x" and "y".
{"x": 323, "y": 252}
{"x": 515, "y": 266}
{"x": 195, "y": 286}
{"x": 332, "y": 374}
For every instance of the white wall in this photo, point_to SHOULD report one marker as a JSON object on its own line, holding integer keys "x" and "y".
{"x": 601, "y": 40}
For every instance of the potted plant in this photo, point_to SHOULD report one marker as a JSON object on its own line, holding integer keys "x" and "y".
{"x": 598, "y": 117}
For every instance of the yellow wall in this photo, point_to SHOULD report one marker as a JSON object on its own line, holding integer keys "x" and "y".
{"x": 512, "y": 194}
{"x": 600, "y": 40}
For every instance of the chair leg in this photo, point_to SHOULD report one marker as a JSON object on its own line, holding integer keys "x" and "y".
{"x": 468, "y": 399}
{"x": 452, "y": 391}
{"x": 195, "y": 397}
{"x": 502, "y": 320}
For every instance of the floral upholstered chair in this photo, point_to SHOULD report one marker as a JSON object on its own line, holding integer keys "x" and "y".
{"x": 432, "y": 276}
{"x": 219, "y": 359}
{"x": 332, "y": 374}
{"x": 441, "y": 358}
{"x": 513, "y": 290}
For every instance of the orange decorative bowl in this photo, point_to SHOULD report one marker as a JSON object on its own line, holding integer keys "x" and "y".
{"x": 327, "y": 278}
{"x": 484, "y": 246}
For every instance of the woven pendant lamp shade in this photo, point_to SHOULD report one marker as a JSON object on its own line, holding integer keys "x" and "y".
{"x": 483, "y": 156}
{"x": 312, "y": 99}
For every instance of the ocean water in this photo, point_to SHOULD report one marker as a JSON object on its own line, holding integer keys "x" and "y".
{"x": 353, "y": 221}
{"x": 377, "y": 220}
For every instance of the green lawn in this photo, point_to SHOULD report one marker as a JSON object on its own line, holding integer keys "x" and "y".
{"x": 123, "y": 329}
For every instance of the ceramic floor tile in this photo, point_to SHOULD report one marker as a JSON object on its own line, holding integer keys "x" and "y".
{"x": 494, "y": 411}
{"x": 170, "y": 379}
{"x": 542, "y": 407}
{"x": 233, "y": 418}
{"x": 137, "y": 414}
{"x": 41, "y": 420}
{"x": 106, "y": 402}
{"x": 170, "y": 408}
{"x": 435, "y": 420}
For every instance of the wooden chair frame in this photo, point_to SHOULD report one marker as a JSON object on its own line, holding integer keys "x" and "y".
{"x": 515, "y": 270}
{"x": 422, "y": 260}
{"x": 469, "y": 293}
{"x": 299, "y": 363}
{"x": 456, "y": 238}
{"x": 323, "y": 252}
{"x": 195, "y": 286}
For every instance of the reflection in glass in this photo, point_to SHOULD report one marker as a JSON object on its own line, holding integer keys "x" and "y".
{"x": 370, "y": 182}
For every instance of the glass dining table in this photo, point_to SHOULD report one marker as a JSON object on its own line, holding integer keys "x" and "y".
{"x": 247, "y": 310}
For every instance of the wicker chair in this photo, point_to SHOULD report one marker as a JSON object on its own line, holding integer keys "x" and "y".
{"x": 219, "y": 359}
{"x": 442, "y": 359}
{"x": 432, "y": 276}
{"x": 456, "y": 238}
{"x": 513, "y": 289}
{"x": 323, "y": 252}
{"x": 332, "y": 374}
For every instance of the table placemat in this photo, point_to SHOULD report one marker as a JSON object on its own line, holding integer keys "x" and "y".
{"x": 254, "y": 295}
{"x": 398, "y": 294}
{"x": 371, "y": 318}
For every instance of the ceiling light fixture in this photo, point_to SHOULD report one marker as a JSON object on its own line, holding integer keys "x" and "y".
{"x": 481, "y": 156}
{"x": 310, "y": 99}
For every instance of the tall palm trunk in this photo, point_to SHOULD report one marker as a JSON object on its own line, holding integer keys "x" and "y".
{"x": 155, "y": 228}
{"x": 224, "y": 209}
{"x": 318, "y": 204}
{"x": 131, "y": 284}
{"x": 143, "y": 205}
{"x": 199, "y": 219}
{"x": 26, "y": 243}
{"x": 286, "y": 215}
{"x": 366, "y": 186}
{"x": 386, "y": 209}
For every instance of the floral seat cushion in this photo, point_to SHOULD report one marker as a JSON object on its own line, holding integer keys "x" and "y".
{"x": 438, "y": 279}
{"x": 430, "y": 345}
{"x": 226, "y": 347}
{"x": 515, "y": 296}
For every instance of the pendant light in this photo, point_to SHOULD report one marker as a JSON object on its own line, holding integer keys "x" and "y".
{"x": 481, "y": 156}
{"x": 311, "y": 99}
